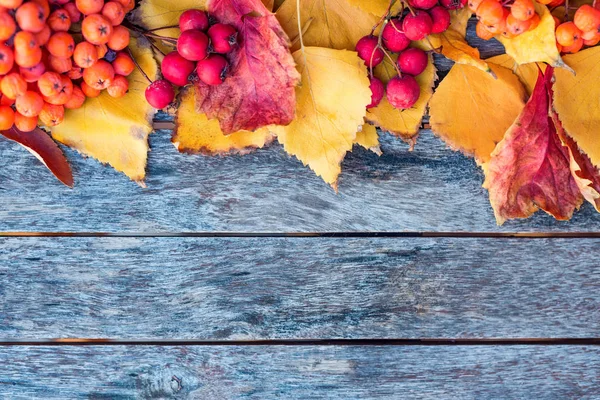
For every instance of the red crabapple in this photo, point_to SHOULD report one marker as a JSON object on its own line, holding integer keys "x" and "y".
{"x": 413, "y": 61}
{"x": 440, "y": 18}
{"x": 453, "y": 4}
{"x": 212, "y": 70}
{"x": 369, "y": 52}
{"x": 222, "y": 38}
{"x": 176, "y": 69}
{"x": 422, "y": 4}
{"x": 160, "y": 94}
{"x": 393, "y": 38}
{"x": 418, "y": 26}
{"x": 193, "y": 45}
{"x": 193, "y": 19}
{"x": 403, "y": 92}
{"x": 377, "y": 91}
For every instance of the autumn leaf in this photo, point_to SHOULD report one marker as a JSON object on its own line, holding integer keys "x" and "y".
{"x": 259, "y": 89}
{"x": 529, "y": 169}
{"x": 115, "y": 131}
{"x": 527, "y": 73}
{"x": 471, "y": 110}
{"x": 331, "y": 102}
{"x": 402, "y": 123}
{"x": 154, "y": 14}
{"x": 576, "y": 100}
{"x": 368, "y": 138}
{"x": 38, "y": 143}
{"x": 195, "y": 133}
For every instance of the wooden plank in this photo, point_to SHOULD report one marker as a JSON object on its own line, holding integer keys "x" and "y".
{"x": 430, "y": 189}
{"x": 268, "y": 288}
{"x": 184, "y": 372}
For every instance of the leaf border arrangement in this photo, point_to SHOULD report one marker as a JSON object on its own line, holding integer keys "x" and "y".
{"x": 529, "y": 117}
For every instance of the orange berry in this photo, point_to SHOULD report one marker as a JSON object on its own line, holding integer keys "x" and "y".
{"x": 534, "y": 22}
{"x": 59, "y": 21}
{"x": 522, "y": 10}
{"x": 10, "y": 4}
{"x": 490, "y": 12}
{"x": 575, "y": 47}
{"x": 100, "y": 75}
{"x": 25, "y": 57}
{"x": 59, "y": 64}
{"x": 88, "y": 7}
{"x": 96, "y": 29}
{"x": 77, "y": 99}
{"x": 7, "y": 26}
{"x": 473, "y": 4}
{"x": 119, "y": 38}
{"x": 482, "y": 31}
{"x": 13, "y": 85}
{"x": 128, "y": 5}
{"x": 89, "y": 91}
{"x": 123, "y": 64}
{"x": 64, "y": 93}
{"x": 102, "y": 50}
{"x": 587, "y": 18}
{"x": 118, "y": 88}
{"x": 45, "y": 7}
{"x": 61, "y": 44}
{"x": 567, "y": 34}
{"x": 74, "y": 13}
{"x": 7, "y": 59}
{"x": 5, "y": 101}
{"x": 591, "y": 40}
{"x": 85, "y": 54}
{"x": 25, "y": 124}
{"x": 516, "y": 26}
{"x": 52, "y": 114}
{"x": 113, "y": 11}
{"x": 50, "y": 83}
{"x": 30, "y": 17}
{"x": 7, "y": 118}
{"x": 29, "y": 104}
{"x": 32, "y": 74}
{"x": 75, "y": 73}
{"x": 43, "y": 36}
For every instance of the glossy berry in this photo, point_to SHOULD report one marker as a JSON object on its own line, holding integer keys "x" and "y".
{"x": 60, "y": 65}
{"x": 89, "y": 91}
{"x": 43, "y": 36}
{"x": 8, "y": 26}
{"x": 64, "y": 93}
{"x": 413, "y": 61}
{"x": 124, "y": 65}
{"x": 50, "y": 83}
{"x": 32, "y": 74}
{"x": 160, "y": 94}
{"x": 516, "y": 26}
{"x": 88, "y": 7}
{"x": 587, "y": 18}
{"x": 113, "y": 12}
{"x": 61, "y": 44}
{"x": 453, "y": 4}
{"x": 77, "y": 99}
{"x": 440, "y": 18}
{"x": 575, "y": 47}
{"x": 422, "y": 4}
{"x": 118, "y": 88}
{"x": 483, "y": 32}
{"x": 490, "y": 12}
{"x": 222, "y": 37}
{"x": 119, "y": 38}
{"x": 85, "y": 54}
{"x": 368, "y": 51}
{"x": 474, "y": 4}
{"x": 96, "y": 29}
{"x": 212, "y": 70}
{"x": 418, "y": 26}
{"x": 7, "y": 59}
{"x": 73, "y": 12}
{"x": 100, "y": 75}
{"x": 176, "y": 69}
{"x": 30, "y": 17}
{"x": 7, "y": 118}
{"x": 522, "y": 10}
{"x": 13, "y": 85}
{"x": 52, "y": 114}
{"x": 59, "y": 21}
{"x": 393, "y": 38}
{"x": 193, "y": 45}
{"x": 567, "y": 34}
{"x": 25, "y": 124}
{"x": 403, "y": 92}
{"x": 377, "y": 91}
{"x": 193, "y": 19}
{"x": 29, "y": 104}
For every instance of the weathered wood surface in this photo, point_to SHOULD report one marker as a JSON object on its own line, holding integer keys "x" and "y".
{"x": 278, "y": 288}
{"x": 220, "y": 373}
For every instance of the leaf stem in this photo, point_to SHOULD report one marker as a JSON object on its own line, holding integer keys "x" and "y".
{"x": 163, "y": 27}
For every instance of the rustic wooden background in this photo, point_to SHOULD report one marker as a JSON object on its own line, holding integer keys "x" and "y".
{"x": 248, "y": 277}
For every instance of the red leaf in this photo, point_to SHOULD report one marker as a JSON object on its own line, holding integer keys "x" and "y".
{"x": 259, "y": 89}
{"x": 529, "y": 168}
{"x": 43, "y": 147}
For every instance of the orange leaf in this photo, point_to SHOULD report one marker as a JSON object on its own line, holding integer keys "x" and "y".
{"x": 45, "y": 149}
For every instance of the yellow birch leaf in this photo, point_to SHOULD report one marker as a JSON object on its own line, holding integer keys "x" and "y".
{"x": 115, "y": 131}
{"x": 537, "y": 45}
{"x": 368, "y": 138}
{"x": 330, "y": 108}
{"x": 402, "y": 123}
{"x": 269, "y": 4}
{"x": 527, "y": 73}
{"x": 471, "y": 110}
{"x": 576, "y": 99}
{"x": 195, "y": 133}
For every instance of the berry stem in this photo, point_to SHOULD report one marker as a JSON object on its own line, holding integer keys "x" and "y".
{"x": 383, "y": 17}
{"x": 566, "y": 10}
{"x": 163, "y": 27}
{"x": 412, "y": 11}
{"x": 437, "y": 50}
{"x": 155, "y": 47}
{"x": 380, "y": 45}
{"x": 138, "y": 65}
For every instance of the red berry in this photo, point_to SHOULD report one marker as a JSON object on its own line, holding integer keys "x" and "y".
{"x": 193, "y": 19}
{"x": 440, "y": 18}
{"x": 453, "y": 4}
{"x": 377, "y": 92}
{"x": 423, "y": 4}
{"x": 368, "y": 51}
{"x": 212, "y": 70}
{"x": 393, "y": 38}
{"x": 193, "y": 45}
{"x": 417, "y": 26}
{"x": 403, "y": 92}
{"x": 413, "y": 61}
{"x": 176, "y": 69}
{"x": 222, "y": 38}
{"x": 160, "y": 94}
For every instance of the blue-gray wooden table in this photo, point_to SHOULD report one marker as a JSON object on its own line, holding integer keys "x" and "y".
{"x": 248, "y": 277}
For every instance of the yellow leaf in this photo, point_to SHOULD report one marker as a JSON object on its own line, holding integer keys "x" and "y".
{"x": 335, "y": 24}
{"x": 527, "y": 73}
{"x": 537, "y": 45}
{"x": 368, "y": 138}
{"x": 153, "y": 14}
{"x": 576, "y": 99}
{"x": 331, "y": 102}
{"x": 471, "y": 110}
{"x": 195, "y": 133}
{"x": 403, "y": 123}
{"x": 269, "y": 4}
{"x": 115, "y": 131}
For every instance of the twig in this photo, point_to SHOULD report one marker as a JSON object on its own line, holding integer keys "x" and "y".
{"x": 138, "y": 65}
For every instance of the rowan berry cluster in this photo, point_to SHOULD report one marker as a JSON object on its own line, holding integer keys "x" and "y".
{"x": 416, "y": 20}
{"x": 584, "y": 30}
{"x": 201, "y": 50}
{"x": 504, "y": 17}
{"x": 45, "y": 69}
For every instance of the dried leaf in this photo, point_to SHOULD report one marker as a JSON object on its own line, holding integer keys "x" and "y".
{"x": 527, "y": 73}
{"x": 331, "y": 107}
{"x": 368, "y": 138}
{"x": 269, "y": 4}
{"x": 577, "y": 102}
{"x": 195, "y": 133}
{"x": 115, "y": 131}
{"x": 259, "y": 90}
{"x": 529, "y": 169}
{"x": 471, "y": 110}
{"x": 44, "y": 149}
{"x": 405, "y": 123}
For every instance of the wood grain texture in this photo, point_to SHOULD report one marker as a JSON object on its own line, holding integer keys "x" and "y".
{"x": 218, "y": 289}
{"x": 345, "y": 373}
